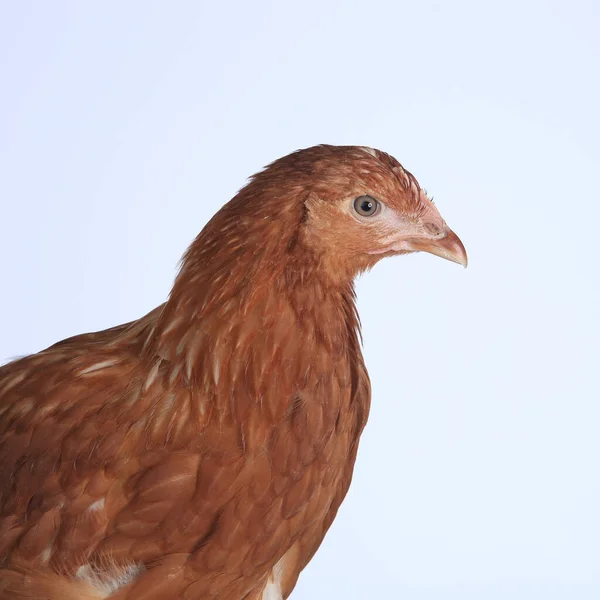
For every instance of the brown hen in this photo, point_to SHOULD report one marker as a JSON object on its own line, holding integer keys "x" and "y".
{"x": 204, "y": 450}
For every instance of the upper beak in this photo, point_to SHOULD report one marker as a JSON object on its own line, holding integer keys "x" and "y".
{"x": 449, "y": 247}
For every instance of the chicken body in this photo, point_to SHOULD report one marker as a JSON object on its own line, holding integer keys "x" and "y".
{"x": 204, "y": 450}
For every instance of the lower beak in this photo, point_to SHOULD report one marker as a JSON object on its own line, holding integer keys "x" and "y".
{"x": 449, "y": 247}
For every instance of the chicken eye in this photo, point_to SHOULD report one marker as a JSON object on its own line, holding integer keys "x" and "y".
{"x": 366, "y": 206}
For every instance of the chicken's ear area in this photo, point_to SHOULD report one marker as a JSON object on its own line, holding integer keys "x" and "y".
{"x": 449, "y": 247}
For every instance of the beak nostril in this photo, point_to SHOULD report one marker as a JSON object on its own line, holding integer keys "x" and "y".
{"x": 433, "y": 229}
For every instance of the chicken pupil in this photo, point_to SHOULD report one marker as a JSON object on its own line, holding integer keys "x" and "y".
{"x": 366, "y": 206}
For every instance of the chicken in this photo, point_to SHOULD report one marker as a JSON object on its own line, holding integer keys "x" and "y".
{"x": 203, "y": 450}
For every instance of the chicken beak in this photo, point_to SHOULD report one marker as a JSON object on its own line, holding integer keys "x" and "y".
{"x": 449, "y": 247}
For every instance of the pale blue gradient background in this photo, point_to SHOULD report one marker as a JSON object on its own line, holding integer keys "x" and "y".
{"x": 125, "y": 125}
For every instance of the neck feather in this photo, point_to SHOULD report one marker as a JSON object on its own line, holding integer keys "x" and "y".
{"x": 251, "y": 303}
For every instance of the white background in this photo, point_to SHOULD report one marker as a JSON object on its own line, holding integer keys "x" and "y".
{"x": 125, "y": 125}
